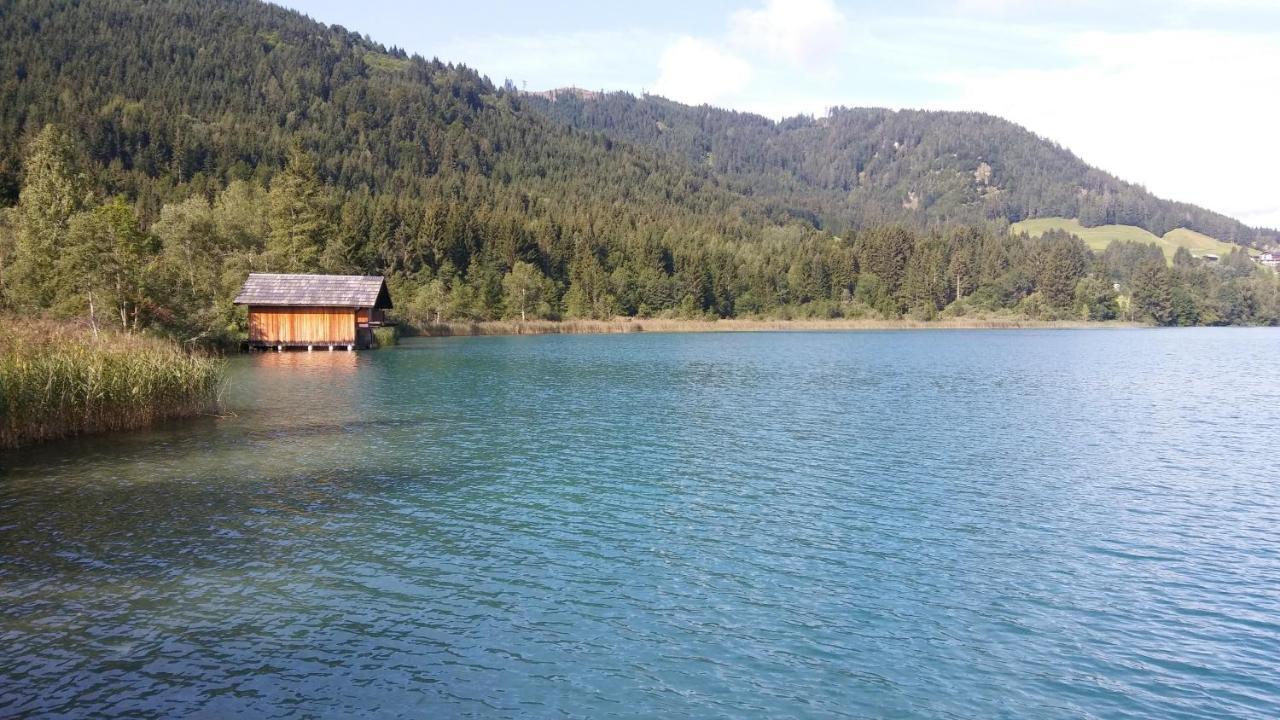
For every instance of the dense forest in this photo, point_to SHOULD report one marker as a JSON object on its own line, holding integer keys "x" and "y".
{"x": 152, "y": 154}
{"x": 871, "y": 166}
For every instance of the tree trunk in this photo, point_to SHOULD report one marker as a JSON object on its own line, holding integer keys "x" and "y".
{"x": 93, "y": 317}
{"x": 124, "y": 305}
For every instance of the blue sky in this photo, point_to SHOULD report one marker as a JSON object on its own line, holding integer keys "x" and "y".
{"x": 1182, "y": 96}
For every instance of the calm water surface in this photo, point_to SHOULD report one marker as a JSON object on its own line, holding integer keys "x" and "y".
{"x": 919, "y": 524}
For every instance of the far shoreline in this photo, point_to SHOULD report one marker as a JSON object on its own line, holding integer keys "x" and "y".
{"x": 670, "y": 325}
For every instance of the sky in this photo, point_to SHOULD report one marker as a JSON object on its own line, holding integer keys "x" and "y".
{"x": 1181, "y": 96}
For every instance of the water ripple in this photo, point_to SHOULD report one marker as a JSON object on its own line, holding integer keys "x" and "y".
{"x": 941, "y": 525}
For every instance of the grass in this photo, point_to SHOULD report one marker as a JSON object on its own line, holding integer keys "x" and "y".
{"x": 58, "y": 380}
{"x": 628, "y": 325}
{"x": 1098, "y": 238}
{"x": 1197, "y": 243}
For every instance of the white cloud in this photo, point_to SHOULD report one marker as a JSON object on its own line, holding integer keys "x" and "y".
{"x": 696, "y": 71}
{"x": 806, "y": 33}
{"x": 1189, "y": 113}
{"x": 738, "y": 68}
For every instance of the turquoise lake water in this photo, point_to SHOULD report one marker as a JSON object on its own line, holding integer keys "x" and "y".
{"x": 941, "y": 524}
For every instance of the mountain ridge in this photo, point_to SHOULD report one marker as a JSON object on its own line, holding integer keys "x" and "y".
{"x": 838, "y": 153}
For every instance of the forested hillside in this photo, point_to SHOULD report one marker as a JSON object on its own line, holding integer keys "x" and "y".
{"x": 864, "y": 166}
{"x": 152, "y": 154}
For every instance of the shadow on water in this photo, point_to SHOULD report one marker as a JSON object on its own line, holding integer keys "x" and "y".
{"x": 118, "y": 526}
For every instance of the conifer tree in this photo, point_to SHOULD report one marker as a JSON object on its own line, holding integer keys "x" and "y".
{"x": 53, "y": 190}
{"x": 1063, "y": 265}
{"x": 296, "y": 216}
{"x": 588, "y": 295}
{"x": 1153, "y": 292}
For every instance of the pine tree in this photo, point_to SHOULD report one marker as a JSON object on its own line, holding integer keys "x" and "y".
{"x": 885, "y": 252}
{"x": 588, "y": 295}
{"x": 1064, "y": 263}
{"x": 1153, "y": 292}
{"x": 926, "y": 285}
{"x": 296, "y": 216}
{"x": 53, "y": 191}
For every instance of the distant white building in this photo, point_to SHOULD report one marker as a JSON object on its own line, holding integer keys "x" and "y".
{"x": 1270, "y": 259}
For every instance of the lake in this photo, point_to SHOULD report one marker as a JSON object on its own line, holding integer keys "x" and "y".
{"x": 936, "y": 524}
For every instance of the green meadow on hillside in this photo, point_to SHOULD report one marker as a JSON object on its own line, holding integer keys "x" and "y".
{"x": 1098, "y": 238}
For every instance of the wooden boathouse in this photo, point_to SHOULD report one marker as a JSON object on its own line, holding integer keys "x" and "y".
{"x": 314, "y": 311}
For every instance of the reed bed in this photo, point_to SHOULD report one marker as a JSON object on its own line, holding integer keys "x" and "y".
{"x": 58, "y": 380}
{"x": 626, "y": 325}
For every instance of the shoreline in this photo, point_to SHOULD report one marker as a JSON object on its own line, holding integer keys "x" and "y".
{"x": 669, "y": 325}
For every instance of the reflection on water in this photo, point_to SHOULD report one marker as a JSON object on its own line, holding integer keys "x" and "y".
{"x": 959, "y": 524}
{"x": 316, "y": 361}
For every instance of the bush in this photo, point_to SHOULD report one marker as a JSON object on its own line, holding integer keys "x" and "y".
{"x": 386, "y": 336}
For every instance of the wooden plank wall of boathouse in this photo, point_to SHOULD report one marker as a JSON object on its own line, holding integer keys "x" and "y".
{"x": 302, "y": 325}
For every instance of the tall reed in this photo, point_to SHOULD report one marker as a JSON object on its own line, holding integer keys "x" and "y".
{"x": 58, "y": 380}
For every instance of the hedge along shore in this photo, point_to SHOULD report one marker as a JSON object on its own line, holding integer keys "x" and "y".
{"x": 669, "y": 325}
{"x": 58, "y": 380}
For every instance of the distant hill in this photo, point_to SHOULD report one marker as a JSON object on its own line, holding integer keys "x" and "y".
{"x": 861, "y": 166}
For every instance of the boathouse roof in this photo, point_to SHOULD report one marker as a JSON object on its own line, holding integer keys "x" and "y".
{"x": 358, "y": 291}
